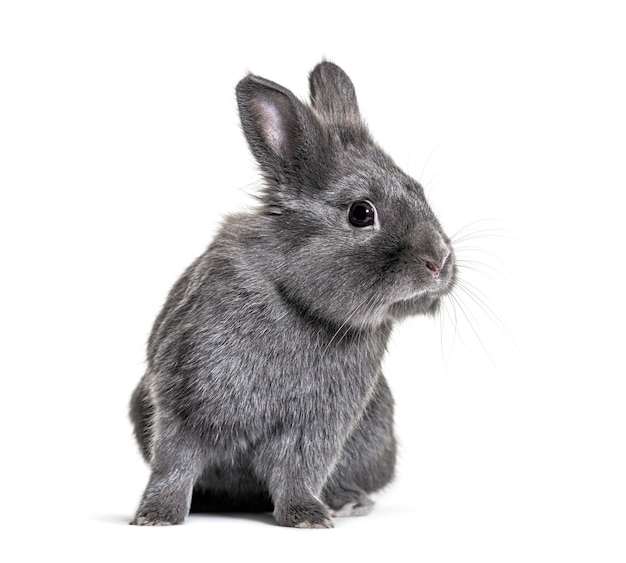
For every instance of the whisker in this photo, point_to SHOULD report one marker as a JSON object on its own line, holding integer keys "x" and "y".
{"x": 487, "y": 306}
{"x": 430, "y": 186}
{"x": 465, "y": 249}
{"x": 453, "y": 319}
{"x": 467, "y": 315}
{"x": 441, "y": 321}
{"x": 486, "y": 270}
{"x": 499, "y": 235}
{"x": 473, "y": 245}
{"x": 428, "y": 159}
{"x": 469, "y": 225}
{"x": 369, "y": 302}
{"x": 476, "y": 265}
{"x": 348, "y": 318}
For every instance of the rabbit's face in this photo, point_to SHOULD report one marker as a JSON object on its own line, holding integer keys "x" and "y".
{"x": 356, "y": 242}
{"x": 364, "y": 244}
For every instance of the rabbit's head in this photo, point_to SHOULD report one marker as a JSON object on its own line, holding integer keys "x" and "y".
{"x": 355, "y": 240}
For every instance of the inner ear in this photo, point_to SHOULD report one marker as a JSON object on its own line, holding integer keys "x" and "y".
{"x": 275, "y": 120}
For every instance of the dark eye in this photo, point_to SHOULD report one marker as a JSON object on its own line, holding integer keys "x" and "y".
{"x": 362, "y": 214}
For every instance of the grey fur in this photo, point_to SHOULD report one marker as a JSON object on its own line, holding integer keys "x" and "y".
{"x": 264, "y": 387}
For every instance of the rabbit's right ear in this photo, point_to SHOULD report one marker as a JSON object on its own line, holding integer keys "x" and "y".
{"x": 280, "y": 130}
{"x": 332, "y": 93}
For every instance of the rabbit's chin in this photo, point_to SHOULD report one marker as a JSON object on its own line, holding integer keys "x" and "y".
{"x": 425, "y": 303}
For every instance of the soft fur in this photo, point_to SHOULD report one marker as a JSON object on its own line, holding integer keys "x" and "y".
{"x": 264, "y": 387}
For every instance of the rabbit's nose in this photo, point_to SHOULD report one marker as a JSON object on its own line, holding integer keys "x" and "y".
{"x": 434, "y": 265}
{"x": 434, "y": 270}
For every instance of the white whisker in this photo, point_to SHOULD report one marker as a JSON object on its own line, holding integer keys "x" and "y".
{"x": 448, "y": 303}
{"x": 467, "y": 314}
{"x": 429, "y": 186}
{"x": 367, "y": 300}
{"x": 470, "y": 301}
{"x": 487, "y": 306}
{"x": 482, "y": 251}
{"x": 470, "y": 225}
{"x": 428, "y": 160}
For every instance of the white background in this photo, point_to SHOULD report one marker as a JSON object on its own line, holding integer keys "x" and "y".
{"x": 120, "y": 152}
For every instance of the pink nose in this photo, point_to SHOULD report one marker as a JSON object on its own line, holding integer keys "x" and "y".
{"x": 432, "y": 268}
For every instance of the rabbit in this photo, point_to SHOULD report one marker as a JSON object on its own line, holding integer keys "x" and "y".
{"x": 264, "y": 388}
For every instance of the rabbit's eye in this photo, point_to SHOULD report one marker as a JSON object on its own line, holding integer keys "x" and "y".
{"x": 362, "y": 214}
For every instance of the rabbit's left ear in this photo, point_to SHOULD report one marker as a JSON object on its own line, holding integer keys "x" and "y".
{"x": 269, "y": 115}
{"x": 283, "y": 134}
{"x": 332, "y": 93}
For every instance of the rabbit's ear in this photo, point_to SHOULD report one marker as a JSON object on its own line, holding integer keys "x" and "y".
{"x": 279, "y": 128}
{"x": 332, "y": 92}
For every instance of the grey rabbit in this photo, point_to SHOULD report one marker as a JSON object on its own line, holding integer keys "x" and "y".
{"x": 264, "y": 390}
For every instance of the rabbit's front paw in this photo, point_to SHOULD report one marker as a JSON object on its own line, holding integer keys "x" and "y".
{"x": 157, "y": 516}
{"x": 150, "y": 521}
{"x": 303, "y": 514}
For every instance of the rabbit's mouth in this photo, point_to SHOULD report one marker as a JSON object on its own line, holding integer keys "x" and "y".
{"x": 420, "y": 294}
{"x": 437, "y": 287}
{"x": 431, "y": 274}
